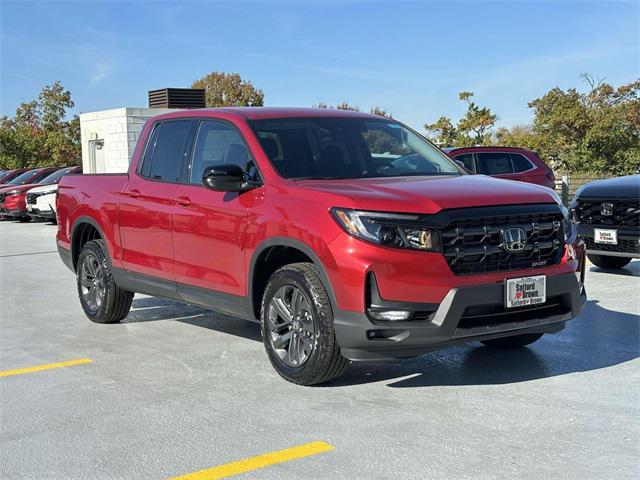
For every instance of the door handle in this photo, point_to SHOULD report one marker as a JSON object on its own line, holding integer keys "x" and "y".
{"x": 184, "y": 201}
{"x": 134, "y": 193}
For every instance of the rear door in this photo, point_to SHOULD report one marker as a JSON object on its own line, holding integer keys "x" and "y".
{"x": 148, "y": 201}
{"x": 209, "y": 226}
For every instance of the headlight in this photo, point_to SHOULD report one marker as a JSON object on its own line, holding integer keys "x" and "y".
{"x": 388, "y": 229}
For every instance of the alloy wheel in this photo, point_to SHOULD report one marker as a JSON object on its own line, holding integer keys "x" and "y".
{"x": 292, "y": 329}
{"x": 92, "y": 282}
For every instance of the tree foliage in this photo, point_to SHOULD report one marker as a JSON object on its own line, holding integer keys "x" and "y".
{"x": 344, "y": 105}
{"x": 38, "y": 134}
{"x": 597, "y": 130}
{"x": 229, "y": 90}
{"x": 381, "y": 112}
{"x": 472, "y": 129}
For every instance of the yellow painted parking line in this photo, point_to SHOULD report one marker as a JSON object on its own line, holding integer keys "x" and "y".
{"x": 48, "y": 366}
{"x": 260, "y": 461}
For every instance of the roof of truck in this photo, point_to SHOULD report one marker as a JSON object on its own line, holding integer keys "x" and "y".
{"x": 260, "y": 113}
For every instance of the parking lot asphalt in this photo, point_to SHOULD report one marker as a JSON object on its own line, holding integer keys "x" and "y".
{"x": 175, "y": 389}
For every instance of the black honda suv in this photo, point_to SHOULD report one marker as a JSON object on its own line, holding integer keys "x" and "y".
{"x": 607, "y": 213}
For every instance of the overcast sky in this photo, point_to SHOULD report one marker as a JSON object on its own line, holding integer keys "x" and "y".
{"x": 411, "y": 58}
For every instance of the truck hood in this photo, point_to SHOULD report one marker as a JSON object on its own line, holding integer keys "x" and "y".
{"x": 431, "y": 194}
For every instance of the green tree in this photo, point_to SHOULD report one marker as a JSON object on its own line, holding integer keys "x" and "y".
{"x": 38, "y": 134}
{"x": 382, "y": 112}
{"x": 597, "y": 130}
{"x": 347, "y": 106}
{"x": 472, "y": 129}
{"x": 229, "y": 90}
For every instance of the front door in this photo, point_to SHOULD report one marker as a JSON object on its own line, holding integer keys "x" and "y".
{"x": 209, "y": 226}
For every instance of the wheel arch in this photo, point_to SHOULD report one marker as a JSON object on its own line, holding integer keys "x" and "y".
{"x": 84, "y": 230}
{"x": 260, "y": 269}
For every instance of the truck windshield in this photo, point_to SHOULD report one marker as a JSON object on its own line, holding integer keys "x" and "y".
{"x": 331, "y": 148}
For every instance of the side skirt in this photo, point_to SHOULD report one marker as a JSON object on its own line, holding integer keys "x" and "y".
{"x": 235, "y": 305}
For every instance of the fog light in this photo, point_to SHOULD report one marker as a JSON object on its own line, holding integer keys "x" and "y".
{"x": 390, "y": 315}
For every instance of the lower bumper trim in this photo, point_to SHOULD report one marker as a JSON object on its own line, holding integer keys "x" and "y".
{"x": 407, "y": 339}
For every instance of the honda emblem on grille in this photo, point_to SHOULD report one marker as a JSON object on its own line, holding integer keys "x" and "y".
{"x": 606, "y": 209}
{"x": 514, "y": 239}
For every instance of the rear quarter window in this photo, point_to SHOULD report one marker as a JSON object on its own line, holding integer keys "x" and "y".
{"x": 520, "y": 163}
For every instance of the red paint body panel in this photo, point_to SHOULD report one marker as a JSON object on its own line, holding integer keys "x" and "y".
{"x": 199, "y": 237}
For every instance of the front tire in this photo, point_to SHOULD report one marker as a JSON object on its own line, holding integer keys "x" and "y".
{"x": 101, "y": 299}
{"x": 604, "y": 261}
{"x": 516, "y": 341}
{"x": 297, "y": 327}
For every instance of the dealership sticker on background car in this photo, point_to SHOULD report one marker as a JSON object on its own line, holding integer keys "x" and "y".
{"x": 608, "y": 237}
{"x": 525, "y": 291}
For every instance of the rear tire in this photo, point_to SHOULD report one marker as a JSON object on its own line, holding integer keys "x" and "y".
{"x": 604, "y": 261}
{"x": 296, "y": 316}
{"x": 101, "y": 299}
{"x": 516, "y": 341}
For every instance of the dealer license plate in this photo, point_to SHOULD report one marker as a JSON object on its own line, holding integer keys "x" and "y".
{"x": 520, "y": 292}
{"x": 29, "y": 207}
{"x": 608, "y": 237}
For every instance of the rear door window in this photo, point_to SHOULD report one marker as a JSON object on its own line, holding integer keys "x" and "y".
{"x": 494, "y": 163}
{"x": 165, "y": 154}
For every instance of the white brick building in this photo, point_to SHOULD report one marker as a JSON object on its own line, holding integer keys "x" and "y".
{"x": 109, "y": 137}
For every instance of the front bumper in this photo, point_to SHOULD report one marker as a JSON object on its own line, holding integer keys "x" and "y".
{"x": 44, "y": 214}
{"x": 7, "y": 213}
{"x": 450, "y": 323}
{"x": 628, "y": 241}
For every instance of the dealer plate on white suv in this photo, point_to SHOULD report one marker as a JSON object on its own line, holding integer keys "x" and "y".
{"x": 520, "y": 292}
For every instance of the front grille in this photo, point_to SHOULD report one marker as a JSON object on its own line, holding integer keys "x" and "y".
{"x": 498, "y": 314}
{"x": 619, "y": 213}
{"x": 3, "y": 196}
{"x": 474, "y": 244}
{"x": 31, "y": 198}
{"x": 623, "y": 246}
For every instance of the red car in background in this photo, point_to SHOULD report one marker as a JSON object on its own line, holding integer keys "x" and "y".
{"x": 8, "y": 175}
{"x": 12, "y": 195}
{"x": 510, "y": 163}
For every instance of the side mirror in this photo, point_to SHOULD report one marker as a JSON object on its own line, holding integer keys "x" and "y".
{"x": 227, "y": 177}
{"x": 461, "y": 165}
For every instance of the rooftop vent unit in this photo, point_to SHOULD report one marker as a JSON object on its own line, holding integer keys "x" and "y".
{"x": 177, "y": 98}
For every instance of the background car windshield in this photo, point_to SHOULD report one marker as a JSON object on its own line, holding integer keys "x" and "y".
{"x": 55, "y": 176}
{"x": 348, "y": 148}
{"x": 22, "y": 178}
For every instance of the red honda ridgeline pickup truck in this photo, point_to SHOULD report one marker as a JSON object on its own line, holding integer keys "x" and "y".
{"x": 346, "y": 235}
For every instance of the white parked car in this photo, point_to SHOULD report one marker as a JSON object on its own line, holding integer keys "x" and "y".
{"x": 41, "y": 201}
